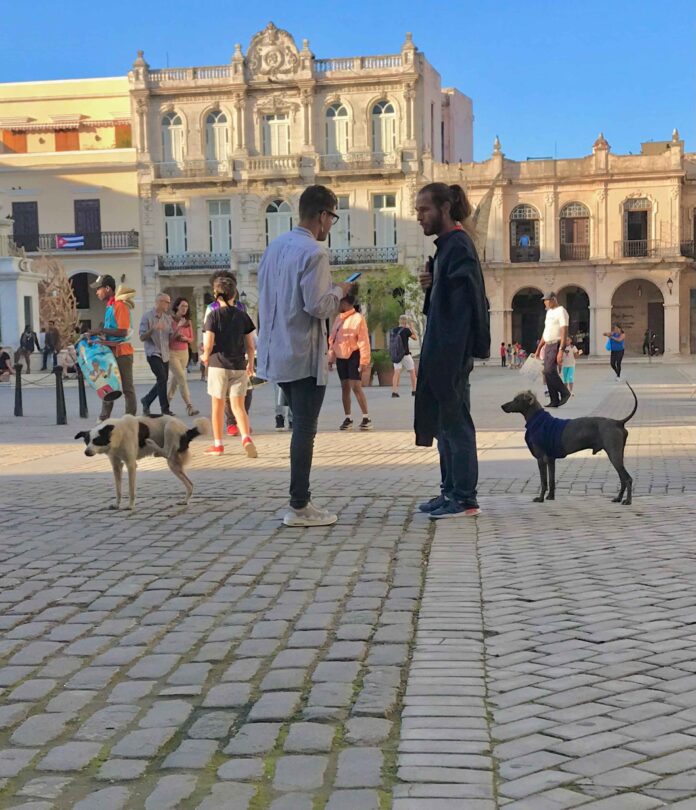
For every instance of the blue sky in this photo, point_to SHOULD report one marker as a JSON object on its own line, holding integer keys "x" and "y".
{"x": 545, "y": 75}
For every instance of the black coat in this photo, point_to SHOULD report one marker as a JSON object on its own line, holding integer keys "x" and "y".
{"x": 458, "y": 330}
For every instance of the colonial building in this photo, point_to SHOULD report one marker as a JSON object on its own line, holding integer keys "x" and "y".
{"x": 68, "y": 177}
{"x": 224, "y": 153}
{"x": 612, "y": 234}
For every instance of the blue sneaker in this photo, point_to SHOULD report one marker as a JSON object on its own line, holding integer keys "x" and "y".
{"x": 452, "y": 509}
{"x": 432, "y": 504}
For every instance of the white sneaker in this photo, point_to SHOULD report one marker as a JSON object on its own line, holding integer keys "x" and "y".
{"x": 309, "y": 516}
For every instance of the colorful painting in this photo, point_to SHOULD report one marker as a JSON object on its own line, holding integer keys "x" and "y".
{"x": 99, "y": 368}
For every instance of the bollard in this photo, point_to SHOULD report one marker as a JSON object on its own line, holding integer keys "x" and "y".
{"x": 61, "y": 415}
{"x": 18, "y": 390}
{"x": 84, "y": 413}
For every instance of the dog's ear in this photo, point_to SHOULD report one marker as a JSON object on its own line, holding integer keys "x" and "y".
{"x": 104, "y": 436}
{"x": 83, "y": 434}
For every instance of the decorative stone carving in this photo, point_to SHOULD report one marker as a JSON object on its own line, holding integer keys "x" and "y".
{"x": 549, "y": 199}
{"x": 601, "y": 194}
{"x": 674, "y": 190}
{"x": 600, "y": 273}
{"x": 275, "y": 103}
{"x": 273, "y": 53}
{"x": 496, "y": 146}
{"x": 601, "y": 143}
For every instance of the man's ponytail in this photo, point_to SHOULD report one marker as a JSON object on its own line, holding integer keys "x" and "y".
{"x": 460, "y": 209}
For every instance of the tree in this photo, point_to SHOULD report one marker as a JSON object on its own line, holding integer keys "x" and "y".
{"x": 57, "y": 300}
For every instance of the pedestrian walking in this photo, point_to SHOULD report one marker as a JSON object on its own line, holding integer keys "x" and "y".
{"x": 508, "y": 354}
{"x": 156, "y": 331}
{"x": 228, "y": 352}
{"x": 179, "y": 348}
{"x": 349, "y": 350}
{"x": 646, "y": 342}
{"x": 570, "y": 354}
{"x": 457, "y": 331}
{"x": 296, "y": 297}
{"x": 502, "y": 354}
{"x": 116, "y": 334}
{"x": 51, "y": 345}
{"x": 400, "y": 353}
{"x": 551, "y": 346}
{"x": 28, "y": 341}
{"x": 615, "y": 344}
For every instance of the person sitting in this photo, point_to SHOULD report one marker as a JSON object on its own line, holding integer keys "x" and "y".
{"x": 6, "y": 367}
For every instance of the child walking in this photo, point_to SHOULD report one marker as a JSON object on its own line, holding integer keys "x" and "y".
{"x": 570, "y": 353}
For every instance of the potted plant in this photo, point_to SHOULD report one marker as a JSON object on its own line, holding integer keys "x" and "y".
{"x": 382, "y": 366}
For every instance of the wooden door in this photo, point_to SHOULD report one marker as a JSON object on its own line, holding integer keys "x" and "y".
{"x": 88, "y": 223}
{"x": 67, "y": 140}
{"x": 25, "y": 230}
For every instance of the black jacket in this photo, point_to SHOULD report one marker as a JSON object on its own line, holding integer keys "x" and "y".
{"x": 458, "y": 330}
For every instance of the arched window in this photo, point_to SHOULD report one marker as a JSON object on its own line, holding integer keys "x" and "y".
{"x": 217, "y": 136}
{"x": 575, "y": 232}
{"x": 524, "y": 234}
{"x": 172, "y": 138}
{"x": 383, "y": 128}
{"x": 336, "y": 130}
{"x": 278, "y": 219}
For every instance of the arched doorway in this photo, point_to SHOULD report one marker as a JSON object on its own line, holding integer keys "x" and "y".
{"x": 638, "y": 305}
{"x": 527, "y": 318}
{"x": 577, "y": 303}
{"x": 90, "y": 312}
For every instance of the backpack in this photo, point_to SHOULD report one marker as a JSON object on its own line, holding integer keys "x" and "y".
{"x": 396, "y": 345}
{"x": 27, "y": 341}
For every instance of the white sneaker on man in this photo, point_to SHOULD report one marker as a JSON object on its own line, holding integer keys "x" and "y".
{"x": 309, "y": 516}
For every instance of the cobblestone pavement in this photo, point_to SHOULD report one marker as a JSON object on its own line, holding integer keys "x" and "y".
{"x": 537, "y": 657}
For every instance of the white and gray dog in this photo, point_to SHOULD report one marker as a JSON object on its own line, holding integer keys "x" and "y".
{"x": 130, "y": 438}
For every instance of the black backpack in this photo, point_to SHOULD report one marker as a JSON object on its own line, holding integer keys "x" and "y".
{"x": 396, "y": 345}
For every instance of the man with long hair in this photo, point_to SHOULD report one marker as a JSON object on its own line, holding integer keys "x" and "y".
{"x": 457, "y": 331}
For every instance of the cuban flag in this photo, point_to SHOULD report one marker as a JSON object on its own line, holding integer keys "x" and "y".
{"x": 69, "y": 241}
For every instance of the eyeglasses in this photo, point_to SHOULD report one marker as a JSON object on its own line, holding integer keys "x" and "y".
{"x": 334, "y": 217}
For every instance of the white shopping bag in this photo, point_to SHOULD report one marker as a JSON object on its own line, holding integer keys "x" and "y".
{"x": 533, "y": 371}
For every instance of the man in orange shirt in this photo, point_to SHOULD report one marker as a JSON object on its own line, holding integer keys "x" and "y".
{"x": 115, "y": 333}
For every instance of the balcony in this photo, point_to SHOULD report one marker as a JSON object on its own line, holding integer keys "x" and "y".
{"x": 192, "y": 262}
{"x": 360, "y": 162}
{"x": 273, "y": 166}
{"x": 687, "y": 249}
{"x": 364, "y": 255}
{"x": 193, "y": 169}
{"x": 575, "y": 253}
{"x": 358, "y": 64}
{"x": 524, "y": 253}
{"x": 51, "y": 242}
{"x": 638, "y": 249}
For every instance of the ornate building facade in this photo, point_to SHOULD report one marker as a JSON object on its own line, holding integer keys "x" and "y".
{"x": 224, "y": 153}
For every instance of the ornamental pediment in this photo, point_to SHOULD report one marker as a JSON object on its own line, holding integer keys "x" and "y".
{"x": 273, "y": 54}
{"x": 276, "y": 103}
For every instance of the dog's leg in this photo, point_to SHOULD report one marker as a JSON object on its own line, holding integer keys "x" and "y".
{"x": 544, "y": 486}
{"x": 616, "y": 457}
{"x": 178, "y": 471}
{"x": 552, "y": 479}
{"x": 117, "y": 467}
{"x": 132, "y": 467}
{"x": 156, "y": 449}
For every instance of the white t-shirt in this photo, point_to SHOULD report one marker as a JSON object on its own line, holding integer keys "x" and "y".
{"x": 556, "y": 319}
{"x": 569, "y": 357}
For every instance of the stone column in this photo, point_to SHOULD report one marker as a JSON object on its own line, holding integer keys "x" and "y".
{"x": 598, "y": 234}
{"x": 671, "y": 308}
{"x": 199, "y": 312}
{"x": 143, "y": 145}
{"x": 600, "y": 321}
{"x": 548, "y": 245}
{"x": 240, "y": 137}
{"x": 495, "y": 248}
{"x": 306, "y": 97}
{"x": 409, "y": 95}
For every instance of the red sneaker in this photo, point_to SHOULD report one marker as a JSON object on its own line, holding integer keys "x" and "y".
{"x": 232, "y": 430}
{"x": 249, "y": 448}
{"x": 214, "y": 450}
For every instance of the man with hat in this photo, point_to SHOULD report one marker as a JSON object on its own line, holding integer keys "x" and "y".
{"x": 115, "y": 333}
{"x": 551, "y": 346}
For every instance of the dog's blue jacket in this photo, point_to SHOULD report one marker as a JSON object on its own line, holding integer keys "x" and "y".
{"x": 545, "y": 432}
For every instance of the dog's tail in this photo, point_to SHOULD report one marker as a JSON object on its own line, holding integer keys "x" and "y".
{"x": 635, "y": 407}
{"x": 201, "y": 428}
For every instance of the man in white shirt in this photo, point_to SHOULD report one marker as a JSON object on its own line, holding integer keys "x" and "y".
{"x": 551, "y": 345}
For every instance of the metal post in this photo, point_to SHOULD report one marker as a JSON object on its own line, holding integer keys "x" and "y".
{"x": 84, "y": 413}
{"x": 18, "y": 411}
{"x": 61, "y": 415}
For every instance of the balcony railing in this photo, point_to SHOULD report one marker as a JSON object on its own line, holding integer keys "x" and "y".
{"x": 360, "y": 161}
{"x": 358, "y": 63}
{"x": 364, "y": 255}
{"x": 194, "y": 260}
{"x": 524, "y": 253}
{"x": 574, "y": 252}
{"x": 273, "y": 165}
{"x": 638, "y": 249}
{"x": 193, "y": 168}
{"x": 52, "y": 242}
{"x": 687, "y": 249}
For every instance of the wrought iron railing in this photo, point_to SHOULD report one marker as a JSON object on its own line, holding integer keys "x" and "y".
{"x": 101, "y": 240}
{"x": 364, "y": 255}
{"x": 195, "y": 260}
{"x": 637, "y": 248}
{"x": 574, "y": 252}
{"x": 687, "y": 249}
{"x": 524, "y": 253}
{"x": 352, "y": 161}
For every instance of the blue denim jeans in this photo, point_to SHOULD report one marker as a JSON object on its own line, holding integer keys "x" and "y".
{"x": 305, "y": 399}
{"x": 458, "y": 460}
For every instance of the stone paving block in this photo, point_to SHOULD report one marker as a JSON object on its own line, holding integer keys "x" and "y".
{"x": 122, "y": 769}
{"x": 143, "y": 743}
{"x": 299, "y": 772}
{"x": 171, "y": 792}
{"x": 228, "y": 795}
{"x": 228, "y": 695}
{"x": 352, "y": 799}
{"x": 212, "y": 725}
{"x": 112, "y": 798}
{"x": 367, "y": 730}
{"x": 166, "y": 713}
{"x": 241, "y": 769}
{"x": 293, "y": 801}
{"x": 106, "y": 722}
{"x": 309, "y": 738}
{"x": 359, "y": 768}
{"x": 275, "y": 706}
{"x": 72, "y": 756}
{"x": 253, "y": 738}
{"x": 191, "y": 754}
{"x": 45, "y": 787}
{"x": 40, "y": 729}
{"x": 14, "y": 760}
{"x": 278, "y": 679}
